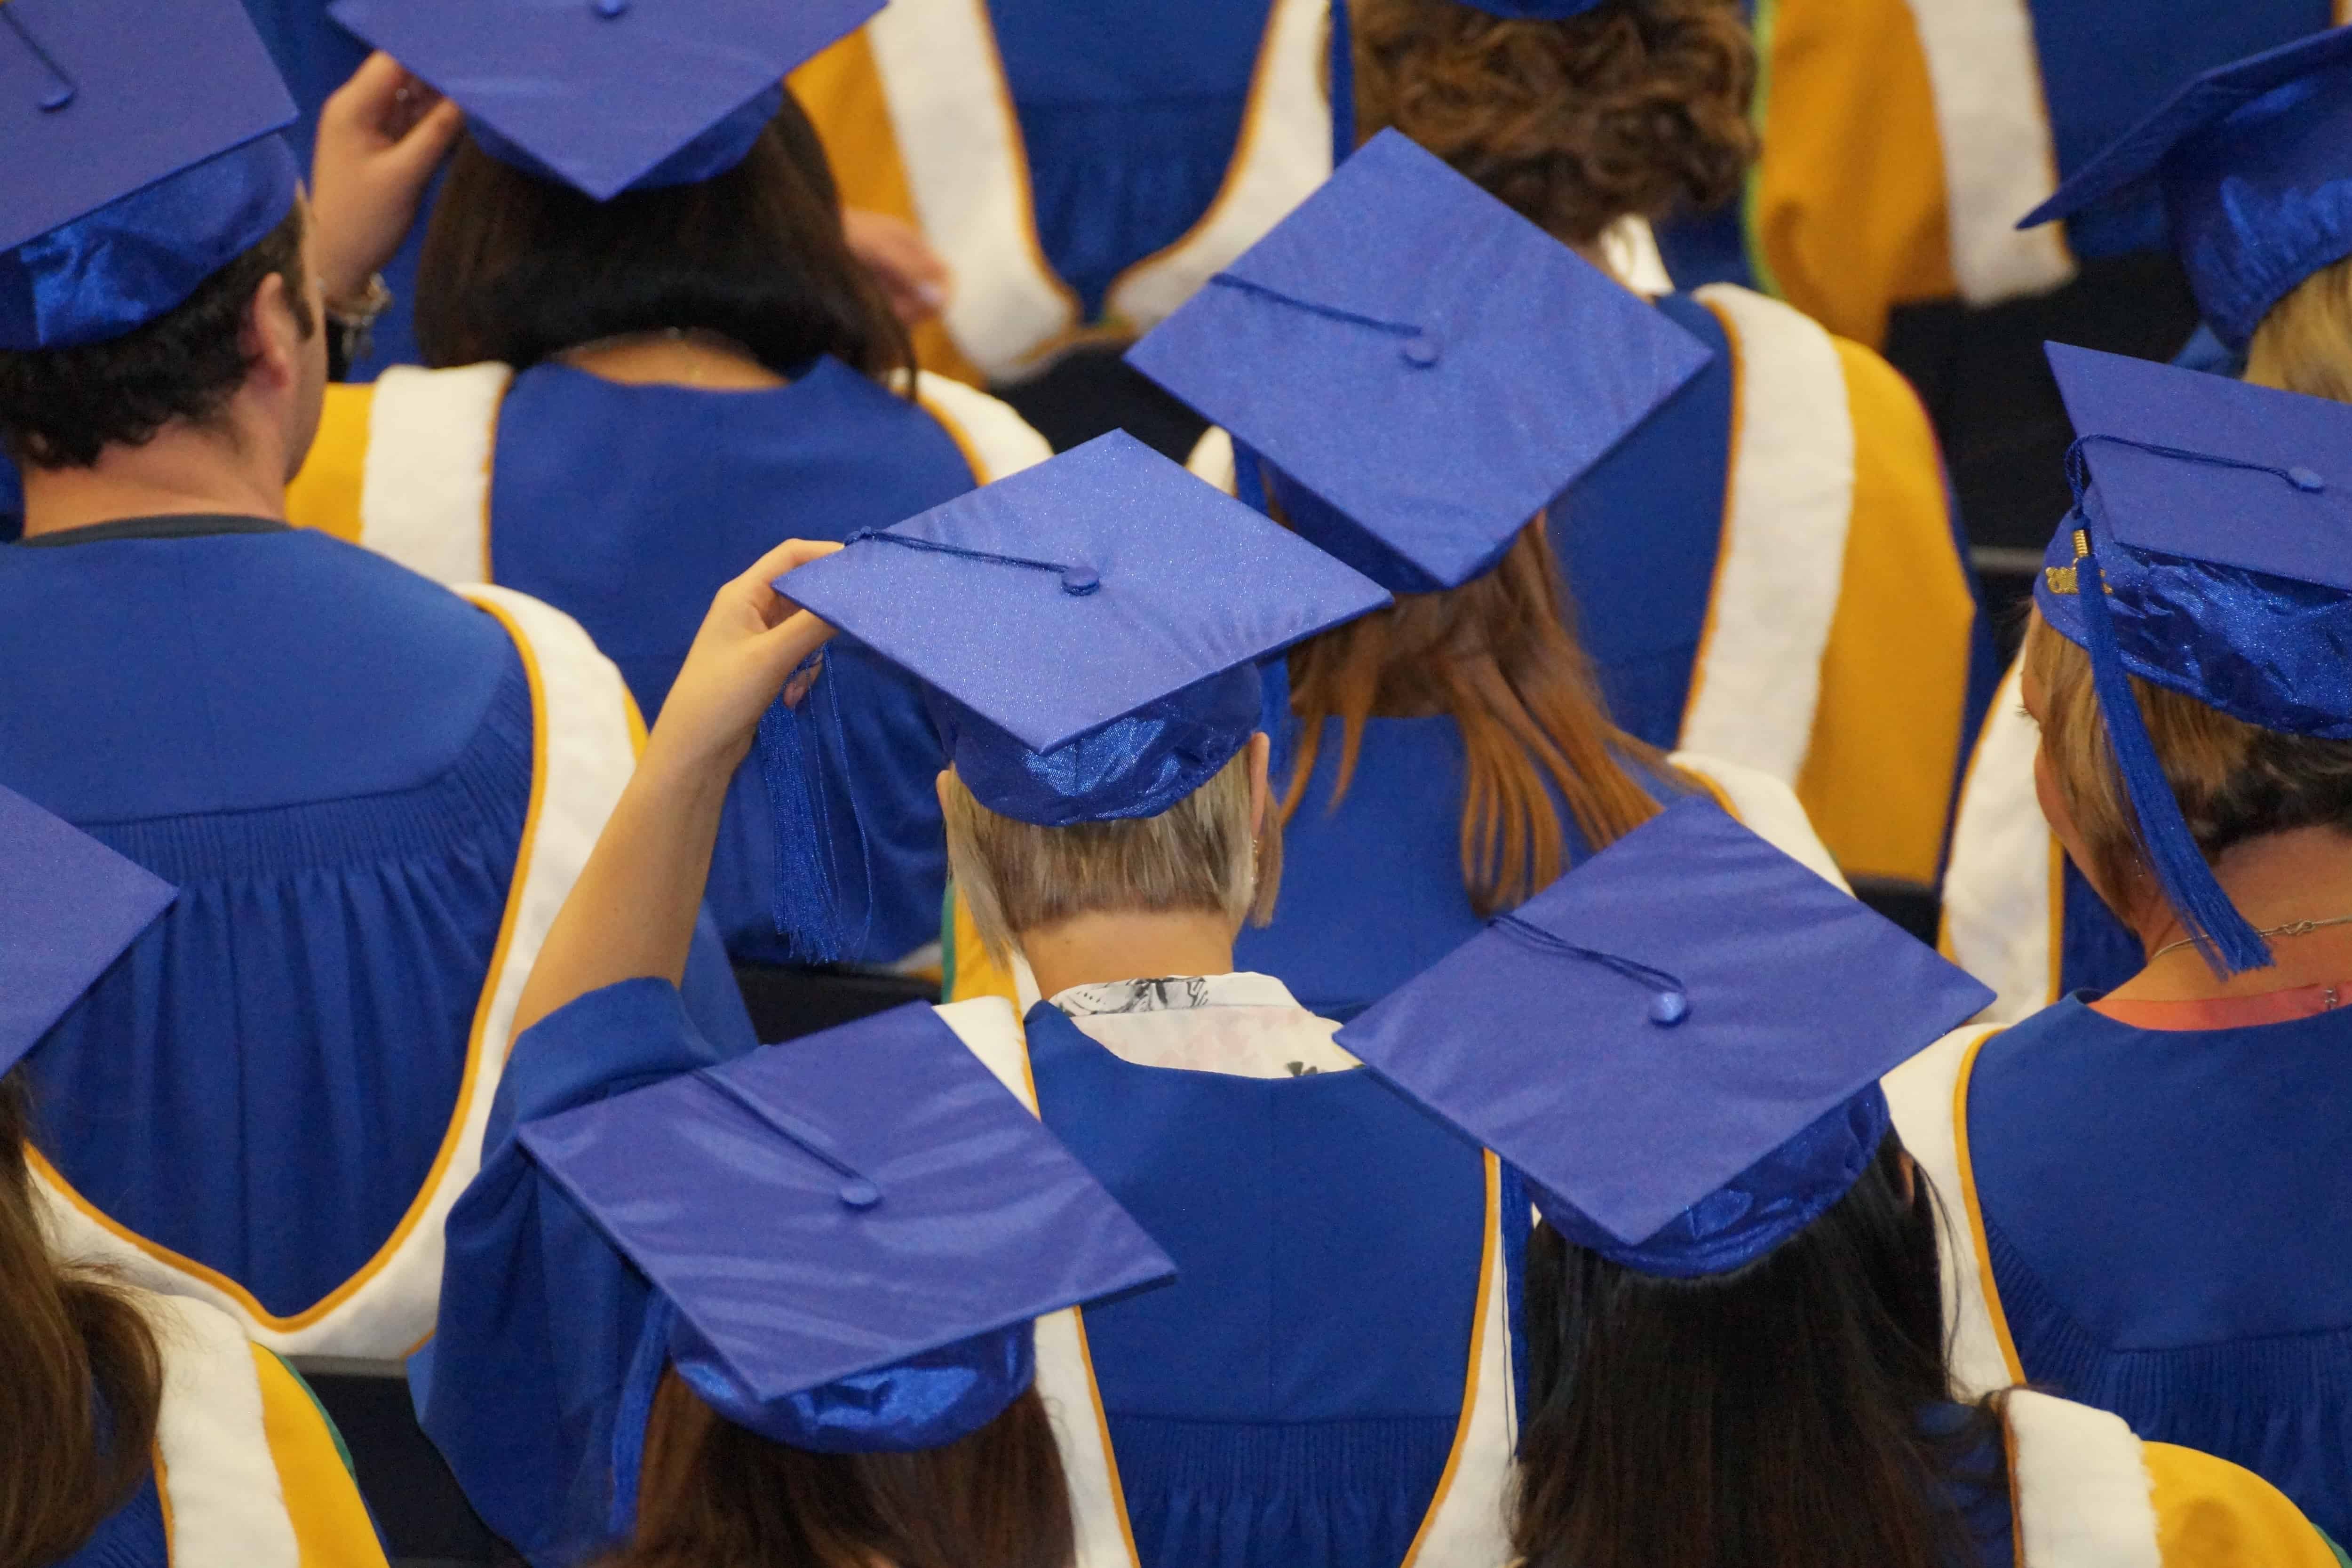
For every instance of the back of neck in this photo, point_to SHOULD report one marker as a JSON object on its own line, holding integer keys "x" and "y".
{"x": 1095, "y": 949}
{"x": 181, "y": 470}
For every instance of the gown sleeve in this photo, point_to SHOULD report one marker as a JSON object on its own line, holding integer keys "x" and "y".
{"x": 538, "y": 1313}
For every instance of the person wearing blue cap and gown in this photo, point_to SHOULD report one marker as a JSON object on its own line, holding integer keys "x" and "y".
{"x": 2253, "y": 165}
{"x": 372, "y": 792}
{"x": 1735, "y": 1342}
{"x": 654, "y": 358}
{"x": 1900, "y": 139}
{"x": 1327, "y": 1384}
{"x": 1081, "y": 169}
{"x": 1746, "y": 566}
{"x": 146, "y": 1431}
{"x": 1452, "y": 755}
{"x": 780, "y": 1306}
{"x": 2151, "y": 1181}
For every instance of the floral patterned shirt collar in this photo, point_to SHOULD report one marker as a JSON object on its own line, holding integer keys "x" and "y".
{"x": 1174, "y": 992}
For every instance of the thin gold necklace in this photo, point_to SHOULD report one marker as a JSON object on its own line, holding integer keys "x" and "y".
{"x": 2292, "y": 928}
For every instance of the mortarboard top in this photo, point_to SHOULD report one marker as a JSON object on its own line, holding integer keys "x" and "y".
{"x": 1104, "y": 596}
{"x": 2254, "y": 159}
{"x": 2218, "y": 517}
{"x": 68, "y": 907}
{"x": 868, "y": 1204}
{"x": 608, "y": 95}
{"x": 1678, "y": 1140}
{"x": 1424, "y": 368}
{"x": 140, "y": 160}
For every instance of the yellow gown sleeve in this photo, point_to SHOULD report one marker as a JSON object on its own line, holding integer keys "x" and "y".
{"x": 2210, "y": 1513}
{"x": 330, "y": 1523}
{"x": 969, "y": 969}
{"x": 1844, "y": 212}
{"x": 326, "y": 494}
{"x": 1888, "y": 728}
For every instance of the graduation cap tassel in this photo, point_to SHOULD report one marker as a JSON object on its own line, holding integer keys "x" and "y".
{"x": 2223, "y": 935}
{"x": 1343, "y": 86}
{"x": 637, "y": 1412}
{"x": 1669, "y": 999}
{"x": 807, "y": 897}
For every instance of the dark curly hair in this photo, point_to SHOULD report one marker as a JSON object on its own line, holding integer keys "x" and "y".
{"x": 1638, "y": 107}
{"x": 60, "y": 408}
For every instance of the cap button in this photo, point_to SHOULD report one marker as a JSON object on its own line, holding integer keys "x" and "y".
{"x": 1423, "y": 349}
{"x": 1079, "y": 581}
{"x": 2304, "y": 479}
{"x": 608, "y": 10}
{"x": 1669, "y": 1008}
{"x": 57, "y": 98}
{"x": 858, "y": 1193}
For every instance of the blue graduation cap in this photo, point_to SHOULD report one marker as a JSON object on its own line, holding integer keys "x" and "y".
{"x": 2255, "y": 163}
{"x": 68, "y": 907}
{"x": 2218, "y": 516}
{"x": 142, "y": 159}
{"x": 1087, "y": 632}
{"x": 848, "y": 1237}
{"x": 608, "y": 95}
{"x": 1423, "y": 369}
{"x": 1679, "y": 1042}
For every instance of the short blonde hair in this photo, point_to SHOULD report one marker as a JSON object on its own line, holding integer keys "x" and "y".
{"x": 2234, "y": 781}
{"x": 2304, "y": 341}
{"x": 1199, "y": 855}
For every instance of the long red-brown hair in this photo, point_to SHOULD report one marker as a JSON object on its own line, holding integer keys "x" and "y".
{"x": 1499, "y": 656}
{"x": 80, "y": 1381}
{"x": 716, "y": 1495}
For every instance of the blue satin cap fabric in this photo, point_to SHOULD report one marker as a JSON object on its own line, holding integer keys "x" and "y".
{"x": 608, "y": 95}
{"x": 705, "y": 157}
{"x": 1424, "y": 369}
{"x": 68, "y": 907}
{"x": 2231, "y": 584}
{"x": 1089, "y": 628}
{"x": 1676, "y": 1142}
{"x": 140, "y": 160}
{"x": 854, "y": 1232}
{"x": 2255, "y": 161}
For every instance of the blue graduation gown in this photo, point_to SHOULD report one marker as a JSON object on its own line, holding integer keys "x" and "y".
{"x": 1292, "y": 1398}
{"x": 627, "y": 507}
{"x": 332, "y": 758}
{"x": 540, "y": 1314}
{"x": 2165, "y": 1213}
{"x": 1129, "y": 114}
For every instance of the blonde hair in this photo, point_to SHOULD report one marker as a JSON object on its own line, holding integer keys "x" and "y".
{"x": 2305, "y": 342}
{"x": 2234, "y": 781}
{"x": 1198, "y": 856}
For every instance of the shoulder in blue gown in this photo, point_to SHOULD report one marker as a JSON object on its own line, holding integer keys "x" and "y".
{"x": 627, "y": 507}
{"x": 2165, "y": 1212}
{"x": 332, "y": 758}
{"x": 1292, "y": 1398}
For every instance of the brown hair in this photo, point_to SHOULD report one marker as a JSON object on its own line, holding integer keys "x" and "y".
{"x": 79, "y": 1385}
{"x": 716, "y": 1495}
{"x": 1765, "y": 1417}
{"x": 1198, "y": 854}
{"x": 2234, "y": 781}
{"x": 1637, "y": 106}
{"x": 516, "y": 269}
{"x": 2304, "y": 341}
{"x": 62, "y": 408}
{"x": 1498, "y": 655}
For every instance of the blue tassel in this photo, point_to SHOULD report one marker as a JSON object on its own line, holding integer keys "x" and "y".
{"x": 2229, "y": 943}
{"x": 637, "y": 1412}
{"x": 807, "y": 897}
{"x": 1343, "y": 87}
